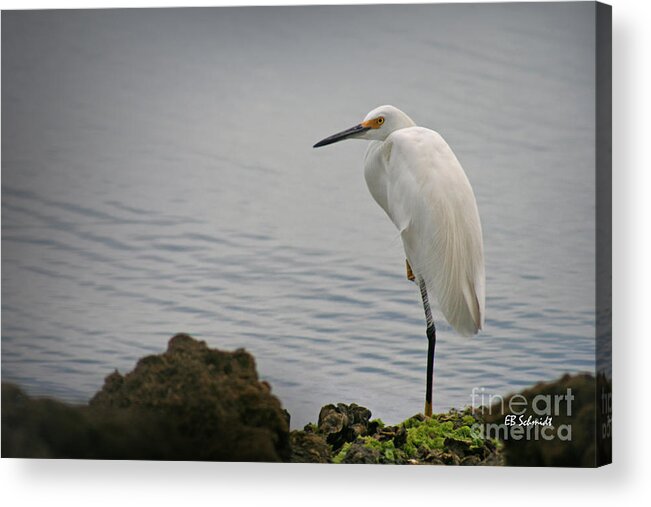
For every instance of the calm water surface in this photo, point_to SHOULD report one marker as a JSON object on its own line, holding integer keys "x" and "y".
{"x": 158, "y": 176}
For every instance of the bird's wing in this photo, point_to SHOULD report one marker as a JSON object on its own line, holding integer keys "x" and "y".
{"x": 430, "y": 200}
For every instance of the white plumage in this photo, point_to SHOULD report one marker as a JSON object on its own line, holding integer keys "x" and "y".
{"x": 415, "y": 177}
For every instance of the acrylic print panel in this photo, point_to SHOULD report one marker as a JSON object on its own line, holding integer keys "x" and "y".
{"x": 159, "y": 177}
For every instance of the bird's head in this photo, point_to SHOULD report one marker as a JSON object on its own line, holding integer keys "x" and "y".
{"x": 377, "y": 125}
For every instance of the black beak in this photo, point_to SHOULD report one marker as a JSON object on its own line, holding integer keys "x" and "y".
{"x": 357, "y": 129}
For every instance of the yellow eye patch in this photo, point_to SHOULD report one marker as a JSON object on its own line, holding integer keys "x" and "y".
{"x": 375, "y": 123}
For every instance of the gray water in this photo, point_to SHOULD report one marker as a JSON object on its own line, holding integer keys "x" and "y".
{"x": 158, "y": 176}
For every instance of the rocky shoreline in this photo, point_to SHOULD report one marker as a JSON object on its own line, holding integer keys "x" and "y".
{"x": 346, "y": 434}
{"x": 201, "y": 404}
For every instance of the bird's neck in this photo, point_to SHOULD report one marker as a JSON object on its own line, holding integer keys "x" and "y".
{"x": 400, "y": 122}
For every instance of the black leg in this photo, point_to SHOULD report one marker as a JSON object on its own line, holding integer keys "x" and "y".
{"x": 431, "y": 345}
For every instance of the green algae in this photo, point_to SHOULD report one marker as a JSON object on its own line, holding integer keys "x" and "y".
{"x": 385, "y": 451}
{"x": 433, "y": 433}
{"x": 339, "y": 457}
{"x": 452, "y": 438}
{"x": 379, "y": 422}
{"x": 468, "y": 420}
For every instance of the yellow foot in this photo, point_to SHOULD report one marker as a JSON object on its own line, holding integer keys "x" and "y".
{"x": 428, "y": 409}
{"x": 410, "y": 273}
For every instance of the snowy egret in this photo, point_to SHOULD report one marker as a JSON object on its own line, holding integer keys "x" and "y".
{"x": 417, "y": 180}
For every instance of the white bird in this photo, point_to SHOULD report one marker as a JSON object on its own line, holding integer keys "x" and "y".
{"x": 417, "y": 180}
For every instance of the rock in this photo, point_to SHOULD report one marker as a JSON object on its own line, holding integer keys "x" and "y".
{"x": 308, "y": 447}
{"x": 46, "y": 428}
{"x": 343, "y": 423}
{"x": 572, "y": 442}
{"x": 451, "y": 438}
{"x": 34, "y": 428}
{"x": 358, "y": 453}
{"x": 473, "y": 459}
{"x": 213, "y": 399}
{"x": 400, "y": 438}
{"x": 458, "y": 447}
{"x": 444, "y": 458}
{"x": 190, "y": 403}
{"x": 450, "y": 458}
